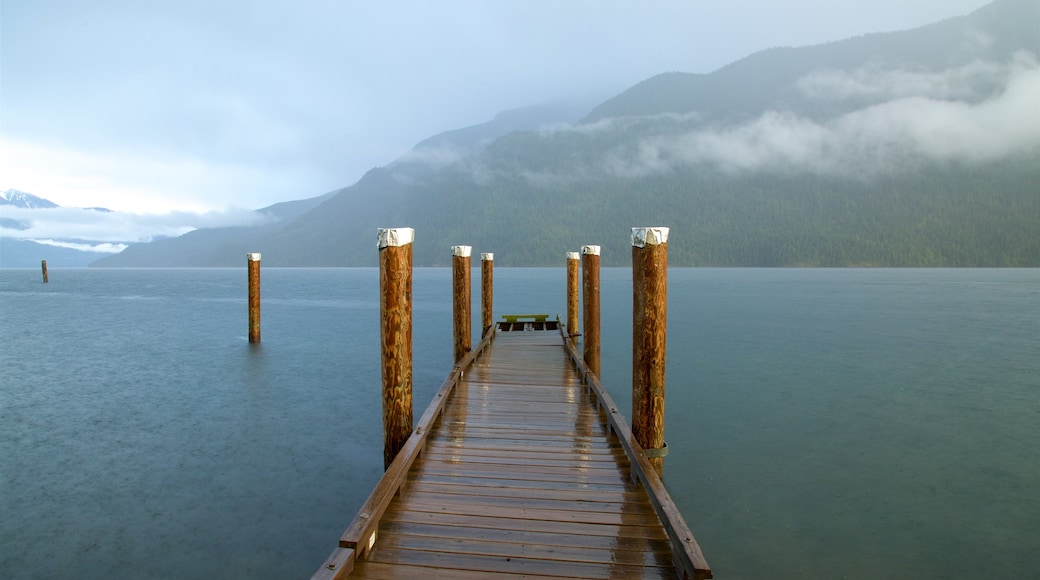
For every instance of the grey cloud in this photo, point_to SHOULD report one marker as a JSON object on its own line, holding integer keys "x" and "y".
{"x": 974, "y": 81}
{"x": 282, "y": 102}
{"x": 607, "y": 124}
{"x": 434, "y": 157}
{"x": 102, "y": 248}
{"x": 878, "y": 138}
{"x": 116, "y": 227}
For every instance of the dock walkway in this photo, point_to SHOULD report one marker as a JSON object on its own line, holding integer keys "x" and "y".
{"x": 520, "y": 466}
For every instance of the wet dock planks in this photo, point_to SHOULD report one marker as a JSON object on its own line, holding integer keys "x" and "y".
{"x": 521, "y": 473}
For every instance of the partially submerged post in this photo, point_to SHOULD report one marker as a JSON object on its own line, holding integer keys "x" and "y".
{"x": 649, "y": 326}
{"x": 253, "y": 260}
{"x": 43, "y": 264}
{"x": 590, "y": 311}
{"x": 395, "y": 333}
{"x": 572, "y": 295}
{"x": 460, "y": 258}
{"x": 487, "y": 288}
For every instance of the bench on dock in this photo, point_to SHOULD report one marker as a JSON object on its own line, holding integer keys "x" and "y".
{"x": 527, "y": 322}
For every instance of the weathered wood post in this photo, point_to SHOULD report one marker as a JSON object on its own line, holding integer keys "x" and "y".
{"x": 487, "y": 288}
{"x": 43, "y": 264}
{"x": 253, "y": 260}
{"x": 395, "y": 333}
{"x": 572, "y": 295}
{"x": 590, "y": 311}
{"x": 649, "y": 326}
{"x": 461, "y": 302}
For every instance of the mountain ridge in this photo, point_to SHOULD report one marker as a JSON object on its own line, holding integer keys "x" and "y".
{"x": 782, "y": 158}
{"x": 1011, "y": 17}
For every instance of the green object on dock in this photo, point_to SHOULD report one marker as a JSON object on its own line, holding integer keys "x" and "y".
{"x": 516, "y": 317}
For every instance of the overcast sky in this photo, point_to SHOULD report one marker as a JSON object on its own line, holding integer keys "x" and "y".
{"x": 189, "y": 106}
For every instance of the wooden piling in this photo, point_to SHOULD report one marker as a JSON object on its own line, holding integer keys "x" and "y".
{"x": 590, "y": 310}
{"x": 572, "y": 295}
{"x": 253, "y": 261}
{"x": 649, "y": 326}
{"x": 43, "y": 265}
{"x": 460, "y": 263}
{"x": 487, "y": 288}
{"x": 395, "y": 333}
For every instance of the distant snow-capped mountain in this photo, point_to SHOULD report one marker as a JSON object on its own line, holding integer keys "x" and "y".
{"x": 26, "y": 200}
{"x": 16, "y": 198}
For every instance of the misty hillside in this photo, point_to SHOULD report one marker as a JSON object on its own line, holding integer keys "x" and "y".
{"x": 912, "y": 148}
{"x": 763, "y": 81}
{"x": 27, "y": 254}
{"x": 19, "y": 253}
{"x": 226, "y": 246}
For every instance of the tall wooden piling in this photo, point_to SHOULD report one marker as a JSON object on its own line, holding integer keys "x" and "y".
{"x": 572, "y": 295}
{"x": 43, "y": 265}
{"x": 460, "y": 263}
{"x": 395, "y": 333}
{"x": 649, "y": 330}
{"x": 590, "y": 310}
{"x": 487, "y": 289}
{"x": 253, "y": 261}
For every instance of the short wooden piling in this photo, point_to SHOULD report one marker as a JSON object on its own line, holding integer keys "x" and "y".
{"x": 43, "y": 264}
{"x": 253, "y": 261}
{"x": 572, "y": 295}
{"x": 590, "y": 310}
{"x": 487, "y": 288}
{"x": 460, "y": 264}
{"x": 649, "y": 332}
{"x": 395, "y": 333}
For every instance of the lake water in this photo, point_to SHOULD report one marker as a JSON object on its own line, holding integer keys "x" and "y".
{"x": 822, "y": 423}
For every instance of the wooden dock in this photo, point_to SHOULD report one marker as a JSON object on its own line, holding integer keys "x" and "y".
{"x": 521, "y": 466}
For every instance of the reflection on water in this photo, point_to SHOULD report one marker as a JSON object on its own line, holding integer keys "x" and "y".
{"x": 819, "y": 420}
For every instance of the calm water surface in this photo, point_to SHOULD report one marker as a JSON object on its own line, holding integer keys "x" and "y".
{"x": 825, "y": 423}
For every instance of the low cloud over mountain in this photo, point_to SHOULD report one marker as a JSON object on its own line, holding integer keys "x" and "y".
{"x": 984, "y": 111}
{"x": 96, "y": 231}
{"x": 911, "y": 148}
{"x": 118, "y": 227}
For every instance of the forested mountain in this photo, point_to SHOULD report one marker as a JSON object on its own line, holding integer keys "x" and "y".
{"x": 913, "y": 148}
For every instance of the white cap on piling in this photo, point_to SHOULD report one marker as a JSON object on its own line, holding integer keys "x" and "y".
{"x": 461, "y": 251}
{"x": 253, "y": 257}
{"x": 487, "y": 257}
{"x": 394, "y": 237}
{"x": 590, "y": 250}
{"x": 573, "y": 255}
{"x": 642, "y": 237}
